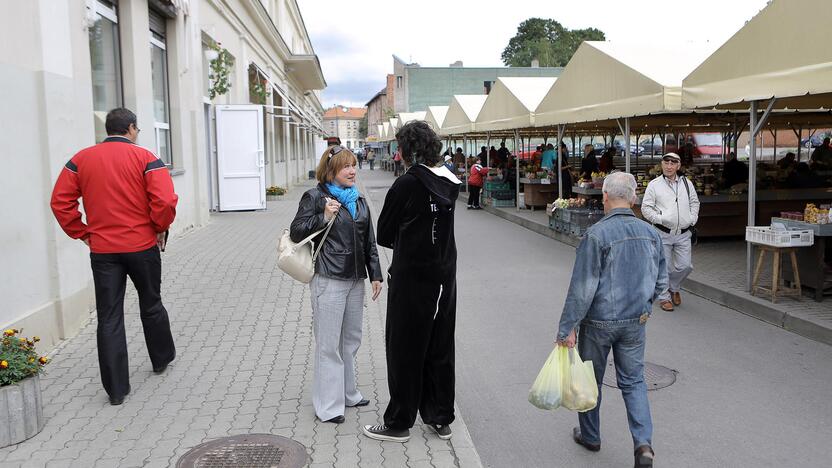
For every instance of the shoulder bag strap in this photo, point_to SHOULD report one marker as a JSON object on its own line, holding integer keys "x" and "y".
{"x": 321, "y": 243}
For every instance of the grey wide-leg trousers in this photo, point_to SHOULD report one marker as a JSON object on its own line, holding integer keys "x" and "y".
{"x": 337, "y": 315}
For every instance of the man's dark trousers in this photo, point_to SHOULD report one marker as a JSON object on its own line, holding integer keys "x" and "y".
{"x": 110, "y": 272}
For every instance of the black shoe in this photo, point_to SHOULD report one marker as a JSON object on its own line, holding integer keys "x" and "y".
{"x": 470, "y": 207}
{"x": 336, "y": 420}
{"x": 441, "y": 430}
{"x": 576, "y": 436}
{"x": 644, "y": 457}
{"x": 115, "y": 401}
{"x": 382, "y": 432}
{"x": 160, "y": 369}
{"x": 360, "y": 403}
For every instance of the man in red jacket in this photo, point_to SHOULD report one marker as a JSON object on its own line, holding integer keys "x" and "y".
{"x": 129, "y": 204}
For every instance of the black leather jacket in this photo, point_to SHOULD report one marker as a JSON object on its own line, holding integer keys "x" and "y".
{"x": 349, "y": 251}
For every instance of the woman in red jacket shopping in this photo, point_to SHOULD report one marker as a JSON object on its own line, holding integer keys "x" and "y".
{"x": 478, "y": 174}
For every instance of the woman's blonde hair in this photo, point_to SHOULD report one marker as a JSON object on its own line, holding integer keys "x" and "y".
{"x": 332, "y": 161}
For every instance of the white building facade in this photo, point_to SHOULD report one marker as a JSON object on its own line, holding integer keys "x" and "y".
{"x": 344, "y": 123}
{"x": 65, "y": 63}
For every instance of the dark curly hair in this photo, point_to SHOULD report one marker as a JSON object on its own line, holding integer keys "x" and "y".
{"x": 419, "y": 144}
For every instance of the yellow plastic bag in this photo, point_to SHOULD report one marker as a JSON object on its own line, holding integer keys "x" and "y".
{"x": 580, "y": 390}
{"x": 546, "y": 390}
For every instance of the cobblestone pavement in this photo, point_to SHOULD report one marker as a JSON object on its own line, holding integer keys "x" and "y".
{"x": 244, "y": 340}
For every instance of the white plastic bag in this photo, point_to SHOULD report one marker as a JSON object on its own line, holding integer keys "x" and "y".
{"x": 580, "y": 390}
{"x": 546, "y": 390}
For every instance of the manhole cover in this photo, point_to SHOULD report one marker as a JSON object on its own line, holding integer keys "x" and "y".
{"x": 246, "y": 451}
{"x": 655, "y": 376}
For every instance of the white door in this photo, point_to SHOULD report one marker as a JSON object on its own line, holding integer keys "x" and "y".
{"x": 240, "y": 158}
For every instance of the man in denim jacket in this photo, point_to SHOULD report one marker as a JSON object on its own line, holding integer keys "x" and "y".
{"x": 619, "y": 271}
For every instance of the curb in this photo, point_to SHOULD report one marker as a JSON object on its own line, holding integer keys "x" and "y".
{"x": 747, "y": 305}
{"x": 465, "y": 452}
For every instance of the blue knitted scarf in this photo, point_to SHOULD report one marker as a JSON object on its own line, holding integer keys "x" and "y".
{"x": 347, "y": 196}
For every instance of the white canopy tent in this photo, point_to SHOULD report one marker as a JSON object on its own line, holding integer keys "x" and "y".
{"x": 405, "y": 117}
{"x": 462, "y": 113}
{"x": 773, "y": 62}
{"x": 435, "y": 116}
{"x": 611, "y": 80}
{"x": 512, "y": 103}
{"x": 777, "y": 54}
{"x": 616, "y": 81}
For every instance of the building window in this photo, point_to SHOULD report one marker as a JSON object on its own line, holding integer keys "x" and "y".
{"x": 159, "y": 78}
{"x": 398, "y": 81}
{"x": 106, "y": 65}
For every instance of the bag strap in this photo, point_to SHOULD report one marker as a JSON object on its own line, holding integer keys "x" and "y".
{"x": 321, "y": 243}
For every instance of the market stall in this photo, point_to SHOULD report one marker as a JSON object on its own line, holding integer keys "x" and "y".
{"x": 758, "y": 70}
{"x": 814, "y": 261}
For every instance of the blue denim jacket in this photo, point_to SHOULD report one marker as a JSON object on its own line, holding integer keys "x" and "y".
{"x": 619, "y": 271}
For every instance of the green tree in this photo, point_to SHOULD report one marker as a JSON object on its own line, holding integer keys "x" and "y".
{"x": 547, "y": 41}
{"x": 362, "y": 128}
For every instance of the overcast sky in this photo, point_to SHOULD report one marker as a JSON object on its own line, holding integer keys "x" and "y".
{"x": 355, "y": 40}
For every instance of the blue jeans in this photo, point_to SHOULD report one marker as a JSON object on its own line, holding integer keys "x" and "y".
{"x": 627, "y": 340}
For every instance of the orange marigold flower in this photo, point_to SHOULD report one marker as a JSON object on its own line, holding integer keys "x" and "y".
{"x": 43, "y": 360}
{"x": 4, "y": 364}
{"x": 36, "y": 339}
{"x": 10, "y": 332}
{"x": 31, "y": 360}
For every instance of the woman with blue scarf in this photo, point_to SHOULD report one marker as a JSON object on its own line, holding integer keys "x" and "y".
{"x": 348, "y": 256}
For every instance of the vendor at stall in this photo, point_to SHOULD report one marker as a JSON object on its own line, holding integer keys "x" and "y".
{"x": 788, "y": 162}
{"x": 822, "y": 155}
{"x": 565, "y": 172}
{"x": 734, "y": 172}
{"x": 804, "y": 177}
{"x": 589, "y": 163}
{"x": 547, "y": 160}
{"x": 607, "y": 163}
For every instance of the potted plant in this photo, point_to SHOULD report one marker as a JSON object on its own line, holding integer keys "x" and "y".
{"x": 274, "y": 193}
{"x": 21, "y": 406}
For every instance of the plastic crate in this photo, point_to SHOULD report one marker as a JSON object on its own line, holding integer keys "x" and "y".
{"x": 553, "y": 222}
{"x": 577, "y": 230}
{"x": 497, "y": 203}
{"x": 765, "y": 235}
{"x": 586, "y": 218}
{"x": 567, "y": 215}
{"x": 502, "y": 195}
{"x": 490, "y": 185}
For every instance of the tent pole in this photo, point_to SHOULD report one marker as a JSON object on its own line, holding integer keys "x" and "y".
{"x": 560, "y": 161}
{"x": 517, "y": 171}
{"x": 752, "y": 187}
{"x": 488, "y": 149}
{"x": 467, "y": 175}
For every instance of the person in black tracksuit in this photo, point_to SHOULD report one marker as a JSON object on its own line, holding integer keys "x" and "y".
{"x": 417, "y": 222}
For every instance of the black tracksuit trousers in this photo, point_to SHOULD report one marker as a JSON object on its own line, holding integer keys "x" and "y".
{"x": 110, "y": 272}
{"x": 421, "y": 317}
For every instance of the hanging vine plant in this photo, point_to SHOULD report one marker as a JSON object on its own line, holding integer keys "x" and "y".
{"x": 220, "y": 74}
{"x": 258, "y": 86}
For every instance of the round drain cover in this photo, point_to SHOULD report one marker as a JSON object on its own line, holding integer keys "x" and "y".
{"x": 246, "y": 451}
{"x": 655, "y": 376}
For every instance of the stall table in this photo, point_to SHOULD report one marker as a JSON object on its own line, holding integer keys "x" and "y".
{"x": 537, "y": 193}
{"x": 812, "y": 260}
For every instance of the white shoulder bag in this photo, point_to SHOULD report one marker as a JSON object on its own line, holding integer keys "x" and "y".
{"x": 298, "y": 260}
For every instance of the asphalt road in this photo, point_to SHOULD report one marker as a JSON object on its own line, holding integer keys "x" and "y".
{"x": 747, "y": 393}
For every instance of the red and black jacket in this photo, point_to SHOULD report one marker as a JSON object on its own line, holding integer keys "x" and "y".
{"x": 127, "y": 193}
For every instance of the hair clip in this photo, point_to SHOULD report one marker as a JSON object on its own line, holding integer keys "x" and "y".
{"x": 335, "y": 150}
